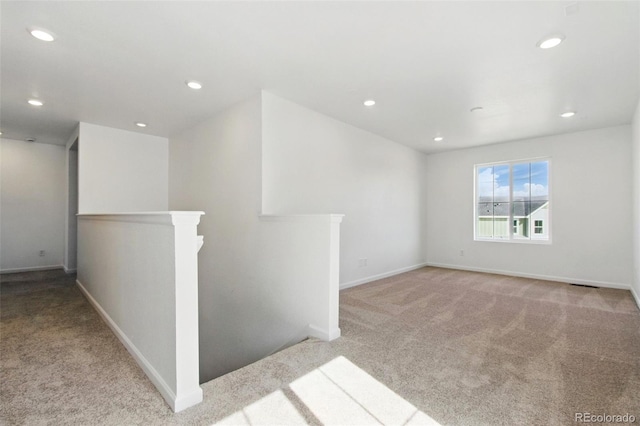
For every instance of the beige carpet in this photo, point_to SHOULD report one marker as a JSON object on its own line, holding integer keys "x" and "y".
{"x": 433, "y": 346}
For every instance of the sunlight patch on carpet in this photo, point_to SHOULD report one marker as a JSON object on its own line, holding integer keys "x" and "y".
{"x": 339, "y": 392}
{"x": 273, "y": 409}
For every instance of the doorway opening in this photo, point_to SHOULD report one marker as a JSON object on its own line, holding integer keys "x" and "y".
{"x": 71, "y": 252}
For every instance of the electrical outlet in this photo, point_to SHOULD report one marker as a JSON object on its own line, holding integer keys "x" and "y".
{"x": 461, "y": 252}
{"x": 362, "y": 263}
{"x": 41, "y": 253}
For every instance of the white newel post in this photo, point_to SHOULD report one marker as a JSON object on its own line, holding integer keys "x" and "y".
{"x": 188, "y": 391}
{"x": 334, "y": 276}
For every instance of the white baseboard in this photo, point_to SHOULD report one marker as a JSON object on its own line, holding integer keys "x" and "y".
{"x": 31, "y": 269}
{"x": 189, "y": 400}
{"x": 325, "y": 335}
{"x": 69, "y": 270}
{"x": 635, "y": 296}
{"x": 176, "y": 404}
{"x": 535, "y": 276}
{"x": 365, "y": 280}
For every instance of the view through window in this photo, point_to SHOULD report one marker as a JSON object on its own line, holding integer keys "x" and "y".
{"x": 512, "y": 193}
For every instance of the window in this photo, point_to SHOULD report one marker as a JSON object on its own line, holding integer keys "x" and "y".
{"x": 537, "y": 228}
{"x": 515, "y": 193}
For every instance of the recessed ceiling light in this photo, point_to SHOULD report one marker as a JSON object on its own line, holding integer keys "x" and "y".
{"x": 568, "y": 114}
{"x": 35, "y": 102}
{"x": 369, "y": 102}
{"x": 549, "y": 42}
{"x": 41, "y": 34}
{"x": 140, "y": 124}
{"x": 195, "y": 85}
{"x": 438, "y": 139}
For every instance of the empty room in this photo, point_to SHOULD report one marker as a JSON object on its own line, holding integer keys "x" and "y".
{"x": 320, "y": 212}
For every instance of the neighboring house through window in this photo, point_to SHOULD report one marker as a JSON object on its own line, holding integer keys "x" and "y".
{"x": 515, "y": 193}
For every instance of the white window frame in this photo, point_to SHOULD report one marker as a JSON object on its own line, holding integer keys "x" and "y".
{"x": 511, "y": 239}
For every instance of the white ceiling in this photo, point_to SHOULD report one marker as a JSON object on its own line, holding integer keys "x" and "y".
{"x": 425, "y": 63}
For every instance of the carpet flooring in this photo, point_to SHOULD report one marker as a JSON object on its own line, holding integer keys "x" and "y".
{"x": 431, "y": 346}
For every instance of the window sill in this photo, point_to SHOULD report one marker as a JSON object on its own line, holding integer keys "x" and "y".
{"x": 515, "y": 241}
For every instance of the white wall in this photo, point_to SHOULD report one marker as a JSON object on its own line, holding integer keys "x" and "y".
{"x": 32, "y": 205}
{"x": 298, "y": 270}
{"x": 635, "y": 158}
{"x": 591, "y": 221}
{"x": 121, "y": 171}
{"x": 140, "y": 273}
{"x": 264, "y": 282}
{"x": 316, "y": 164}
{"x": 215, "y": 168}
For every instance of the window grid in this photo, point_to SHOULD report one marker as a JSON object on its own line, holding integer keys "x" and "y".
{"x": 520, "y": 202}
